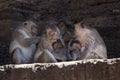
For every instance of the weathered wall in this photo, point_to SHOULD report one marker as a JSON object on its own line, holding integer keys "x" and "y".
{"x": 102, "y": 14}
{"x": 78, "y": 70}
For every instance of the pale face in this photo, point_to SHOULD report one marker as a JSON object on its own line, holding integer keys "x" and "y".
{"x": 31, "y": 27}
{"x": 53, "y": 35}
{"x": 78, "y": 27}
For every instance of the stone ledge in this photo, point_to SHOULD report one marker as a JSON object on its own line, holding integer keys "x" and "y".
{"x": 93, "y": 69}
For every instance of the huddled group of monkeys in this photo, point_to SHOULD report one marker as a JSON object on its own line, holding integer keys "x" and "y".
{"x": 58, "y": 42}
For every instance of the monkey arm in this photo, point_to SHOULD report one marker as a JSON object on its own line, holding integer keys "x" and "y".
{"x": 32, "y": 40}
{"x": 85, "y": 50}
{"x": 27, "y": 41}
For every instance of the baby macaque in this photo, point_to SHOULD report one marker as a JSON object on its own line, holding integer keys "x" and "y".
{"x": 92, "y": 43}
{"x": 75, "y": 49}
{"x": 23, "y": 44}
{"x": 60, "y": 52}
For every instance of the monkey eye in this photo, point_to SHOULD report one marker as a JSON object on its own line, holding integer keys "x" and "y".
{"x": 25, "y": 23}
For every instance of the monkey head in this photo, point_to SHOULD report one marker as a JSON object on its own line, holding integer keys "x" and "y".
{"x": 62, "y": 26}
{"x": 53, "y": 33}
{"x": 67, "y": 37}
{"x": 81, "y": 32}
{"x": 57, "y": 45}
{"x": 30, "y": 27}
{"x": 74, "y": 44}
{"x": 74, "y": 49}
{"x": 79, "y": 26}
{"x": 65, "y": 25}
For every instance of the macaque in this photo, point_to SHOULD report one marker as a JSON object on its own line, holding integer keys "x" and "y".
{"x": 51, "y": 35}
{"x": 23, "y": 44}
{"x": 75, "y": 49}
{"x": 92, "y": 44}
{"x": 66, "y": 30}
{"x": 60, "y": 52}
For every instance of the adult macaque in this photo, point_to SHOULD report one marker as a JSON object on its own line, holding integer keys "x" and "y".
{"x": 92, "y": 44}
{"x": 51, "y": 35}
{"x": 23, "y": 44}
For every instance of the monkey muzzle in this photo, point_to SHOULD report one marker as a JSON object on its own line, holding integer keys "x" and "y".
{"x": 34, "y": 33}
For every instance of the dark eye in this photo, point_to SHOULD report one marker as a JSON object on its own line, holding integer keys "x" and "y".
{"x": 25, "y": 23}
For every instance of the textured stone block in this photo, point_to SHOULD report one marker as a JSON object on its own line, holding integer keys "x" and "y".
{"x": 93, "y": 69}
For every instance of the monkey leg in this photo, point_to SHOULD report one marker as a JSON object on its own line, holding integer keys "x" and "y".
{"x": 46, "y": 57}
{"x": 17, "y": 57}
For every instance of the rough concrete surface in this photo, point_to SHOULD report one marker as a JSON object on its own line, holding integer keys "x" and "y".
{"x": 93, "y": 69}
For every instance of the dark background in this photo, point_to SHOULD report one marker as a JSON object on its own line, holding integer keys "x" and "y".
{"x": 104, "y": 15}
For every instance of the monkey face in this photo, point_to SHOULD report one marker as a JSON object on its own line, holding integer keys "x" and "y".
{"x": 57, "y": 45}
{"x": 34, "y": 31}
{"x": 53, "y": 35}
{"x": 66, "y": 37}
{"x": 81, "y": 31}
{"x": 79, "y": 26}
{"x": 31, "y": 27}
{"x": 61, "y": 26}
